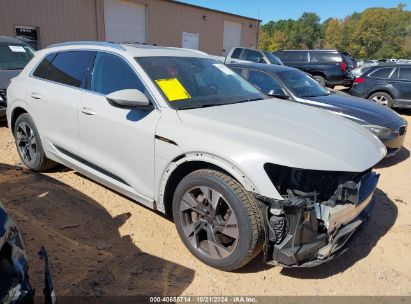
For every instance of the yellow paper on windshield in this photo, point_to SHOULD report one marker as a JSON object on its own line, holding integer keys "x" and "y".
{"x": 173, "y": 89}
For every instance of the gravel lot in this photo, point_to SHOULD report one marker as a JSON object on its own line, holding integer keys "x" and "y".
{"x": 101, "y": 243}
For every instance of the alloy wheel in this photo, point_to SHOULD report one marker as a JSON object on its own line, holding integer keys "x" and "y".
{"x": 382, "y": 100}
{"x": 209, "y": 223}
{"x": 26, "y": 143}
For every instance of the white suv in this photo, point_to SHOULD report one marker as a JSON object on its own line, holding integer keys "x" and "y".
{"x": 183, "y": 134}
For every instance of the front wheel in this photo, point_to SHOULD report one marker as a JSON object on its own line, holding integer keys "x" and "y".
{"x": 217, "y": 219}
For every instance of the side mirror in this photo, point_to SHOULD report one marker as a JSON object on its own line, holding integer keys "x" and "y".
{"x": 279, "y": 93}
{"x": 129, "y": 99}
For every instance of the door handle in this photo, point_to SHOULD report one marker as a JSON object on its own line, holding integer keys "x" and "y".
{"x": 393, "y": 82}
{"x": 88, "y": 111}
{"x": 35, "y": 95}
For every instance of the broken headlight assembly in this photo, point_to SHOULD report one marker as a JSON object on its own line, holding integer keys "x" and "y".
{"x": 318, "y": 214}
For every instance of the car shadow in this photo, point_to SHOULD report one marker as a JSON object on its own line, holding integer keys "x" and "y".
{"x": 406, "y": 112}
{"x": 88, "y": 255}
{"x": 383, "y": 218}
{"x": 401, "y": 156}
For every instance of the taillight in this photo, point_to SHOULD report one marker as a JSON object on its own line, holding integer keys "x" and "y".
{"x": 359, "y": 80}
{"x": 343, "y": 67}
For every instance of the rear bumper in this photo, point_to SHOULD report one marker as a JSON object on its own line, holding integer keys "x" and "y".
{"x": 347, "y": 81}
{"x": 306, "y": 244}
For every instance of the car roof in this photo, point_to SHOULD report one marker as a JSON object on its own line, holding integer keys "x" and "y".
{"x": 389, "y": 65}
{"x": 134, "y": 49}
{"x": 10, "y": 40}
{"x": 263, "y": 67}
{"x": 314, "y": 50}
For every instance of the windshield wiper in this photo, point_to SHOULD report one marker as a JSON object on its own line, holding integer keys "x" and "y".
{"x": 308, "y": 96}
{"x": 247, "y": 100}
{"x": 202, "y": 106}
{"x": 10, "y": 69}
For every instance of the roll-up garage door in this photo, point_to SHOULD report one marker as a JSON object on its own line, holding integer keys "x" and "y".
{"x": 125, "y": 21}
{"x": 232, "y": 35}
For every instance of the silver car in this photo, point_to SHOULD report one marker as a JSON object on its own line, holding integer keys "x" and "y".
{"x": 183, "y": 134}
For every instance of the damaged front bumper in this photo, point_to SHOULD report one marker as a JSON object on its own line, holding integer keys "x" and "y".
{"x": 305, "y": 231}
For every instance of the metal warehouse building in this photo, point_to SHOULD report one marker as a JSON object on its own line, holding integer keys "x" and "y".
{"x": 162, "y": 22}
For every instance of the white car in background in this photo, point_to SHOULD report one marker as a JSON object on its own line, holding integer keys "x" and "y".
{"x": 181, "y": 133}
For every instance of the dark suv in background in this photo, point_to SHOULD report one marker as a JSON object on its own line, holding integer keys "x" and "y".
{"x": 14, "y": 55}
{"x": 389, "y": 85}
{"x": 328, "y": 67}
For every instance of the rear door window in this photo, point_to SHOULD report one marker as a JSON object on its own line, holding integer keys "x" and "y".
{"x": 405, "y": 73}
{"x": 325, "y": 57}
{"x": 111, "y": 73}
{"x": 236, "y": 53}
{"x": 382, "y": 73}
{"x": 254, "y": 56}
{"x": 296, "y": 57}
{"x": 70, "y": 68}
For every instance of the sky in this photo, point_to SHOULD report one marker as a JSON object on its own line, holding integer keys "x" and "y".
{"x": 267, "y": 10}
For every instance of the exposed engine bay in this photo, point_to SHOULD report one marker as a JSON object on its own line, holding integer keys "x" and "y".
{"x": 319, "y": 213}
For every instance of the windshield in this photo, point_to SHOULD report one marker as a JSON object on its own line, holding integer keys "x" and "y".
{"x": 191, "y": 82}
{"x": 273, "y": 59}
{"x": 14, "y": 57}
{"x": 302, "y": 85}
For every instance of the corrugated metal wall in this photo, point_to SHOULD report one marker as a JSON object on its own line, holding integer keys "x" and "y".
{"x": 67, "y": 20}
{"x": 167, "y": 21}
{"x": 58, "y": 20}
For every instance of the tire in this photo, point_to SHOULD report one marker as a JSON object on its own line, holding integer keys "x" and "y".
{"x": 229, "y": 223}
{"x": 321, "y": 80}
{"x": 29, "y": 145}
{"x": 382, "y": 98}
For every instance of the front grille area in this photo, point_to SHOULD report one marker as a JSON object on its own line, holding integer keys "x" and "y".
{"x": 402, "y": 130}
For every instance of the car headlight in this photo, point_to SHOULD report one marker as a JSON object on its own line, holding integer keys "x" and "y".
{"x": 380, "y": 130}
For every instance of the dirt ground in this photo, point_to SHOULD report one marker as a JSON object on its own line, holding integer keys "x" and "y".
{"x": 101, "y": 243}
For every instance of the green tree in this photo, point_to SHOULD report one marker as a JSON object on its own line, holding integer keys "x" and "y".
{"x": 374, "y": 33}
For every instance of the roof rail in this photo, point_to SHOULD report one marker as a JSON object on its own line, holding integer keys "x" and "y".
{"x": 95, "y": 43}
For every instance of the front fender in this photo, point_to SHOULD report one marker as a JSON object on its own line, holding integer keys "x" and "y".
{"x": 256, "y": 181}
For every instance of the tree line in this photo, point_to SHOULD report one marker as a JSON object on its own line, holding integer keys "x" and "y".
{"x": 375, "y": 33}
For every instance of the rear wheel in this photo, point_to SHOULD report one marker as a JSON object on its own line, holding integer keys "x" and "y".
{"x": 321, "y": 80}
{"x": 217, "y": 219}
{"x": 29, "y": 145}
{"x": 382, "y": 98}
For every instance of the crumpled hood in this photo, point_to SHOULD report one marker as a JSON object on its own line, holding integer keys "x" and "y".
{"x": 6, "y": 76}
{"x": 362, "y": 111}
{"x": 282, "y": 132}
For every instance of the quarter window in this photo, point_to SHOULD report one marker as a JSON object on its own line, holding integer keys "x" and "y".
{"x": 70, "y": 67}
{"x": 382, "y": 73}
{"x": 111, "y": 73}
{"x": 325, "y": 57}
{"x": 41, "y": 70}
{"x": 405, "y": 74}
